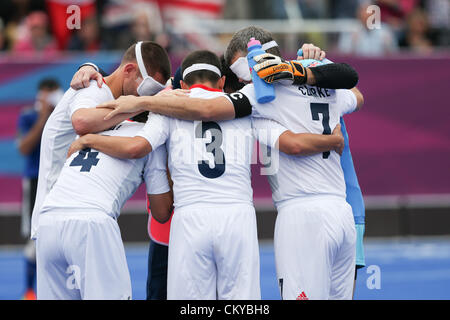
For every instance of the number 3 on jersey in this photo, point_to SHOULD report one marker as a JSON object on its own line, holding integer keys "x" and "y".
{"x": 212, "y": 147}
{"x": 322, "y": 108}
{"x": 86, "y": 162}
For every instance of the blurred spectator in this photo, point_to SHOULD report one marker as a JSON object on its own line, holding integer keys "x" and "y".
{"x": 313, "y": 9}
{"x": 267, "y": 9}
{"x": 416, "y": 33}
{"x": 13, "y": 14}
{"x": 3, "y": 40}
{"x": 57, "y": 11}
{"x": 343, "y": 8}
{"x": 255, "y": 9}
{"x": 30, "y": 126}
{"x": 439, "y": 19}
{"x": 365, "y": 41}
{"x": 236, "y": 9}
{"x": 33, "y": 36}
{"x": 146, "y": 25}
{"x": 393, "y": 12}
{"x": 179, "y": 14}
{"x": 87, "y": 38}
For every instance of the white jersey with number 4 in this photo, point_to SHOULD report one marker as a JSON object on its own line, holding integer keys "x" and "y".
{"x": 305, "y": 109}
{"x": 91, "y": 181}
{"x": 57, "y": 136}
{"x": 209, "y": 162}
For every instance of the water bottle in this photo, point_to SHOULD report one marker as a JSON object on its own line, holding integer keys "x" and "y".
{"x": 264, "y": 92}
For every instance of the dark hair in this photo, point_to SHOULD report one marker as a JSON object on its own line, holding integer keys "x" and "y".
{"x": 238, "y": 43}
{"x": 155, "y": 58}
{"x": 48, "y": 84}
{"x": 201, "y": 56}
{"x": 232, "y": 83}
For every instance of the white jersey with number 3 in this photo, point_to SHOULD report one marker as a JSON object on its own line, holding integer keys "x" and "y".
{"x": 209, "y": 162}
{"x": 305, "y": 109}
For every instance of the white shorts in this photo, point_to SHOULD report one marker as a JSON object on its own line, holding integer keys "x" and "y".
{"x": 214, "y": 254}
{"x": 314, "y": 246}
{"x": 81, "y": 256}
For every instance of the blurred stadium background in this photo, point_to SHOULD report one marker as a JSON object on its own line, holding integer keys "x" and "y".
{"x": 400, "y": 141}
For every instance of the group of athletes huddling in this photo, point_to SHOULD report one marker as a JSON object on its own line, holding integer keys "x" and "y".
{"x": 131, "y": 129}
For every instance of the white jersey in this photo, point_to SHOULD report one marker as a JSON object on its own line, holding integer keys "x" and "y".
{"x": 210, "y": 161}
{"x": 57, "y": 136}
{"x": 92, "y": 181}
{"x": 305, "y": 109}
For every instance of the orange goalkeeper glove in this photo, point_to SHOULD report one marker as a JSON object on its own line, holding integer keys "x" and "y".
{"x": 272, "y": 68}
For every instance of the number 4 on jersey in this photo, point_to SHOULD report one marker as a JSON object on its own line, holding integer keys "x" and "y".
{"x": 86, "y": 159}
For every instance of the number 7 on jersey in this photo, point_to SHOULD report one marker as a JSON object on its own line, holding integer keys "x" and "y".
{"x": 323, "y": 108}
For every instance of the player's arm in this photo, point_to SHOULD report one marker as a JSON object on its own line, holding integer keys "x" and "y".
{"x": 91, "y": 120}
{"x": 159, "y": 186}
{"x": 118, "y": 147}
{"x": 85, "y": 117}
{"x": 306, "y": 144}
{"x": 359, "y": 98}
{"x": 272, "y": 68}
{"x": 228, "y": 107}
{"x": 154, "y": 133}
{"x": 161, "y": 206}
{"x": 273, "y": 134}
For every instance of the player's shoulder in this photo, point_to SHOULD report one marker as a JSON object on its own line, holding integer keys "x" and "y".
{"x": 156, "y": 117}
{"x": 93, "y": 92}
{"x": 248, "y": 90}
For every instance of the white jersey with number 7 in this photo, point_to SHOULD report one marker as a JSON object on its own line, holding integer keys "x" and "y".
{"x": 305, "y": 109}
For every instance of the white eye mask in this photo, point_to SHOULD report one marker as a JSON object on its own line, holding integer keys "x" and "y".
{"x": 148, "y": 86}
{"x": 241, "y": 69}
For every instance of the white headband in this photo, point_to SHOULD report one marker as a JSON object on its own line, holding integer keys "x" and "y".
{"x": 139, "y": 60}
{"x": 201, "y": 66}
{"x": 268, "y": 45}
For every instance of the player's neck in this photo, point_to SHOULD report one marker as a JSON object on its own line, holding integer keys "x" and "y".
{"x": 115, "y": 84}
{"x": 207, "y": 85}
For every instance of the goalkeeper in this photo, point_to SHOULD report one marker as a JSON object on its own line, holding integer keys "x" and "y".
{"x": 272, "y": 68}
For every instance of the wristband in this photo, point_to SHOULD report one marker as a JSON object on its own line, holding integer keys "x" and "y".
{"x": 89, "y": 64}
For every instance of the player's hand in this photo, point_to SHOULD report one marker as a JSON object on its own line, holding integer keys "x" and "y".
{"x": 82, "y": 77}
{"x": 124, "y": 104}
{"x": 272, "y": 68}
{"x": 77, "y": 145}
{"x": 311, "y": 51}
{"x": 173, "y": 93}
{"x": 338, "y": 132}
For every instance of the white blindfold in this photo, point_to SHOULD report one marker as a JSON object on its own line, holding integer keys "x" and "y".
{"x": 148, "y": 86}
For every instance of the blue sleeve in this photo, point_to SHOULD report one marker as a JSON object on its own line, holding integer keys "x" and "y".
{"x": 354, "y": 194}
{"x": 25, "y": 123}
{"x": 177, "y": 78}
